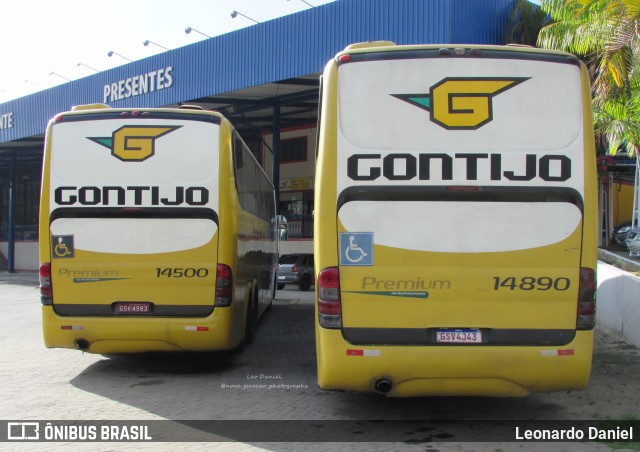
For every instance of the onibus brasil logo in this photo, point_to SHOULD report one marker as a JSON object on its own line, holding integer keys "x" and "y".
{"x": 134, "y": 143}
{"x": 462, "y": 103}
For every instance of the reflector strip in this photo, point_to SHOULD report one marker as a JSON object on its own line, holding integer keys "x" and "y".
{"x": 196, "y": 328}
{"x": 72, "y": 327}
{"x": 562, "y": 352}
{"x": 352, "y": 352}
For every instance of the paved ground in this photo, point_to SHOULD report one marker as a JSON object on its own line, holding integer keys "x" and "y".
{"x": 271, "y": 388}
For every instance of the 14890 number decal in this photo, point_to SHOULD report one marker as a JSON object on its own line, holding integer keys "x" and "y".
{"x": 530, "y": 283}
{"x": 178, "y": 272}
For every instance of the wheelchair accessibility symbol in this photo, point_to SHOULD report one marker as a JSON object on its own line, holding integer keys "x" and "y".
{"x": 62, "y": 246}
{"x": 356, "y": 248}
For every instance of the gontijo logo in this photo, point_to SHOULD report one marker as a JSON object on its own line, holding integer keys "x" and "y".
{"x": 462, "y": 103}
{"x": 134, "y": 143}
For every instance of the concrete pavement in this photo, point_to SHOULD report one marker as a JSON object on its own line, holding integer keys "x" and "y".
{"x": 41, "y": 384}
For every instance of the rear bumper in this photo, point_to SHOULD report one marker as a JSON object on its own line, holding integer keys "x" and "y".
{"x": 501, "y": 371}
{"x": 140, "y": 334}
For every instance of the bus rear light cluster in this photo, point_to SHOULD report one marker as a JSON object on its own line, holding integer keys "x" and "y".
{"x": 329, "y": 305}
{"x": 586, "y": 316}
{"x": 46, "y": 290}
{"x": 224, "y": 286}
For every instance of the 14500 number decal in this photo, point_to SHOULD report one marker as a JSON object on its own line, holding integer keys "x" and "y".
{"x": 530, "y": 283}
{"x": 178, "y": 272}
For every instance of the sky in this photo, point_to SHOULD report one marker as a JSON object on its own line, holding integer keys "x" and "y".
{"x": 41, "y": 37}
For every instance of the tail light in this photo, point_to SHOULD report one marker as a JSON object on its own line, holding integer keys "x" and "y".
{"x": 294, "y": 268}
{"x": 224, "y": 285}
{"x": 586, "y": 316}
{"x": 329, "y": 305}
{"x": 46, "y": 290}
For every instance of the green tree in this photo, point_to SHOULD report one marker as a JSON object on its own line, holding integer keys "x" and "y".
{"x": 605, "y": 34}
{"x": 526, "y": 21}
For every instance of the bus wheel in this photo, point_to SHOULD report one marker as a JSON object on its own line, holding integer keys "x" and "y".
{"x": 305, "y": 283}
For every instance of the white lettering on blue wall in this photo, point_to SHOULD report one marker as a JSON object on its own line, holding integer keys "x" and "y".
{"x": 6, "y": 120}
{"x": 138, "y": 85}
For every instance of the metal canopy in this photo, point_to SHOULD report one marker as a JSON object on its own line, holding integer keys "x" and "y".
{"x": 251, "y": 110}
{"x": 27, "y": 151}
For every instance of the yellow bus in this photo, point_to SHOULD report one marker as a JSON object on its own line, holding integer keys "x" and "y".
{"x": 455, "y": 221}
{"x": 157, "y": 232}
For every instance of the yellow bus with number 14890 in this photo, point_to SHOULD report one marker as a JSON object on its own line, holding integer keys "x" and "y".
{"x": 455, "y": 221}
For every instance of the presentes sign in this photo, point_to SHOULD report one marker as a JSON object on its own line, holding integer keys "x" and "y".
{"x": 138, "y": 85}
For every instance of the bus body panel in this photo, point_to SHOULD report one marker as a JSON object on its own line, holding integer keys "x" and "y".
{"x": 134, "y": 335}
{"x": 591, "y": 222}
{"x": 456, "y": 199}
{"x": 454, "y": 370}
{"x": 138, "y": 212}
{"x": 102, "y": 278}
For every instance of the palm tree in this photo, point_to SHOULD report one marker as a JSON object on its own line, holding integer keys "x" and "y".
{"x": 605, "y": 34}
{"x": 617, "y": 121}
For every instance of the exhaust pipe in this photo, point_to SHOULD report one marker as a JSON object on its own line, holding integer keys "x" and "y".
{"x": 383, "y": 386}
{"x": 82, "y": 344}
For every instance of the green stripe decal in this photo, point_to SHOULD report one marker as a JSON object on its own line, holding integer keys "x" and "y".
{"x": 395, "y": 293}
{"x": 89, "y": 280}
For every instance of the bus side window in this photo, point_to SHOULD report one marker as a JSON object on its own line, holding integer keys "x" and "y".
{"x": 237, "y": 151}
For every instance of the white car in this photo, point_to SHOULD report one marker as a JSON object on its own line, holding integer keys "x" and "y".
{"x": 295, "y": 269}
{"x": 633, "y": 242}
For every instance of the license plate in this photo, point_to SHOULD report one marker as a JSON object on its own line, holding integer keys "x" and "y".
{"x": 459, "y": 336}
{"x": 132, "y": 308}
{"x": 280, "y": 277}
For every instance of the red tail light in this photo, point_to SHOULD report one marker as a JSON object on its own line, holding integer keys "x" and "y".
{"x": 46, "y": 290}
{"x": 224, "y": 285}
{"x": 586, "y": 316}
{"x": 329, "y": 305}
{"x": 294, "y": 268}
